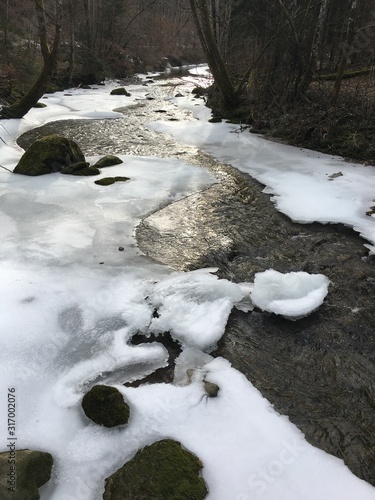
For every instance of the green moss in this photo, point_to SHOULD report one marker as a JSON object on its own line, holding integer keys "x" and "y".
{"x": 40, "y": 105}
{"x": 162, "y": 471}
{"x": 120, "y": 91}
{"x": 107, "y": 181}
{"x": 108, "y": 161}
{"x": 49, "y": 154}
{"x": 32, "y": 470}
{"x": 106, "y": 406}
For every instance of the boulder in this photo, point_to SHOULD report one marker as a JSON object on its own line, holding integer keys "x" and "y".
{"x": 120, "y": 91}
{"x": 49, "y": 154}
{"x": 105, "y": 405}
{"x": 27, "y": 470}
{"x": 162, "y": 471}
{"x": 87, "y": 171}
{"x": 108, "y": 161}
{"x": 75, "y": 167}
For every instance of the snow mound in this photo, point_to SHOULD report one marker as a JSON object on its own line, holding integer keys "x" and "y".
{"x": 292, "y": 295}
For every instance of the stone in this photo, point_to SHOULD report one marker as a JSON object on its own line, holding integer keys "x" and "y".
{"x": 107, "y": 181}
{"x": 215, "y": 119}
{"x": 49, "y": 154}
{"x": 87, "y": 171}
{"x": 161, "y": 471}
{"x": 75, "y": 167}
{"x": 105, "y": 405}
{"x": 211, "y": 389}
{"x": 120, "y": 91}
{"x": 108, "y": 161}
{"x": 28, "y": 469}
{"x": 40, "y": 105}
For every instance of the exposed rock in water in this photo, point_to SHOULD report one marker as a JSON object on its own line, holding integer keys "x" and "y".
{"x": 75, "y": 167}
{"x": 28, "y": 469}
{"x": 49, "y": 154}
{"x": 211, "y": 389}
{"x": 106, "y": 406}
{"x": 120, "y": 91}
{"x": 107, "y": 181}
{"x": 319, "y": 370}
{"x": 162, "y": 471}
{"x": 108, "y": 161}
{"x": 86, "y": 171}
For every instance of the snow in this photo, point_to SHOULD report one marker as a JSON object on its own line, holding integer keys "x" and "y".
{"x": 293, "y": 295}
{"x": 70, "y": 303}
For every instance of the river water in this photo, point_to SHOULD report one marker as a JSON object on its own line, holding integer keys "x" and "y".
{"x": 320, "y": 371}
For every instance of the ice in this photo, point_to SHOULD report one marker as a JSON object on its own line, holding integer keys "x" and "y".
{"x": 195, "y": 307}
{"x": 70, "y": 303}
{"x": 292, "y": 295}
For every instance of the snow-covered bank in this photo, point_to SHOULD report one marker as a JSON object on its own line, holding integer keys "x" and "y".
{"x": 303, "y": 182}
{"x": 70, "y": 301}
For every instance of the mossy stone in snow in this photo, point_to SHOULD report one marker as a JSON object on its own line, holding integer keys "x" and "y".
{"x": 107, "y": 181}
{"x": 105, "y": 405}
{"x": 49, "y": 154}
{"x": 31, "y": 470}
{"x": 120, "y": 91}
{"x": 75, "y": 167}
{"x": 108, "y": 161}
{"x": 87, "y": 171}
{"x": 162, "y": 471}
{"x": 40, "y": 105}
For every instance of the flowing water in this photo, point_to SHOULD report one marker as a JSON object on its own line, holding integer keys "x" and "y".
{"x": 320, "y": 371}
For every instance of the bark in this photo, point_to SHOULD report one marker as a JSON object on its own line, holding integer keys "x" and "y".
{"x": 20, "y": 108}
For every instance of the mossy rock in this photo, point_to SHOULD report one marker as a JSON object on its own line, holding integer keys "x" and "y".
{"x": 108, "y": 161}
{"x": 49, "y": 154}
{"x": 120, "y": 91}
{"x": 31, "y": 470}
{"x": 107, "y": 181}
{"x": 105, "y": 405}
{"x": 75, "y": 167}
{"x": 87, "y": 171}
{"x": 162, "y": 471}
{"x": 40, "y": 105}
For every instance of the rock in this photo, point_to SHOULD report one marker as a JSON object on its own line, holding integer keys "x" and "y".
{"x": 108, "y": 161}
{"x": 179, "y": 95}
{"x": 211, "y": 389}
{"x": 105, "y": 405}
{"x": 28, "y": 469}
{"x": 87, "y": 171}
{"x": 107, "y": 181}
{"x": 120, "y": 91}
{"x": 199, "y": 91}
{"x": 40, "y": 105}
{"x": 75, "y": 167}
{"x": 215, "y": 119}
{"x": 162, "y": 471}
{"x": 49, "y": 154}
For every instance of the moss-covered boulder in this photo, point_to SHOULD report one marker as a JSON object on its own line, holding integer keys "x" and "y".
{"x": 105, "y": 405}
{"x": 107, "y": 181}
{"x": 22, "y": 472}
{"x": 49, "y": 154}
{"x": 120, "y": 91}
{"x": 108, "y": 161}
{"x": 87, "y": 171}
{"x": 40, "y": 105}
{"x": 162, "y": 471}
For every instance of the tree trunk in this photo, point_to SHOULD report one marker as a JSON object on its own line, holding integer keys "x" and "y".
{"x": 20, "y": 108}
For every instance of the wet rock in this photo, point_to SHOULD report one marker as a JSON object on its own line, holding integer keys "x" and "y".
{"x": 107, "y": 181}
{"x": 28, "y": 469}
{"x": 87, "y": 171}
{"x": 75, "y": 167}
{"x": 105, "y": 405}
{"x": 162, "y": 471}
{"x": 49, "y": 154}
{"x": 40, "y": 105}
{"x": 120, "y": 91}
{"x": 179, "y": 94}
{"x": 211, "y": 389}
{"x": 108, "y": 161}
{"x": 215, "y": 119}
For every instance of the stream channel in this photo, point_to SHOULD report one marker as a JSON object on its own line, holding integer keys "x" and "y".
{"x": 320, "y": 370}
